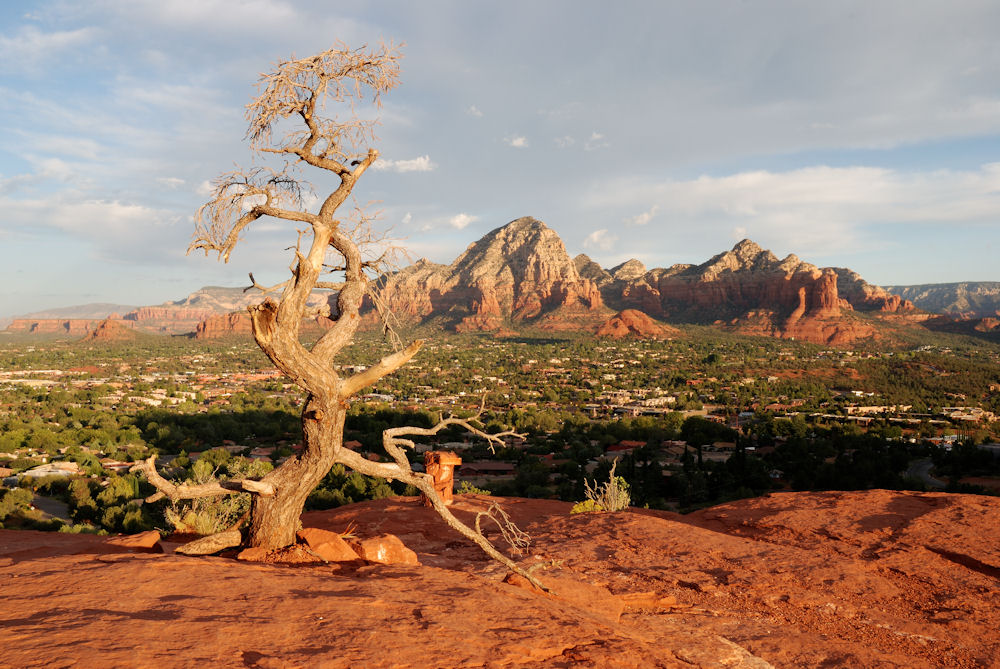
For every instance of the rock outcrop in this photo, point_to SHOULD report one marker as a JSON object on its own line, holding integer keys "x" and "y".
{"x": 747, "y": 289}
{"x": 634, "y": 323}
{"x": 112, "y": 330}
{"x": 518, "y": 274}
{"x": 213, "y": 327}
{"x": 73, "y": 327}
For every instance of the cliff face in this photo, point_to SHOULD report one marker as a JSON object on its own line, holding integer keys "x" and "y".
{"x": 519, "y": 273}
{"x": 970, "y": 299}
{"x": 74, "y": 327}
{"x": 747, "y": 288}
{"x": 236, "y": 323}
{"x": 111, "y": 329}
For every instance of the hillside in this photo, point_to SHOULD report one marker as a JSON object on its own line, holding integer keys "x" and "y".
{"x": 834, "y": 579}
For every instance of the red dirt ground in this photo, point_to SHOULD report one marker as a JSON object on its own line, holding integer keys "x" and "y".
{"x": 859, "y": 579}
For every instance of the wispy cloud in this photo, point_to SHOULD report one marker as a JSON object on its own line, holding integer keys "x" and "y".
{"x": 419, "y": 164}
{"x": 643, "y": 218}
{"x": 461, "y": 221}
{"x": 473, "y": 110}
{"x": 517, "y": 141}
{"x": 600, "y": 240}
{"x": 30, "y": 48}
{"x": 595, "y": 141}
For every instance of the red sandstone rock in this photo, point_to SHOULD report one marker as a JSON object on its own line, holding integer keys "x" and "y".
{"x": 519, "y": 272}
{"x": 441, "y": 466}
{"x": 838, "y": 579}
{"x": 634, "y": 323}
{"x": 144, "y": 542}
{"x": 253, "y": 554}
{"x": 111, "y": 330}
{"x": 223, "y": 325}
{"x": 328, "y": 545}
{"x": 386, "y": 549}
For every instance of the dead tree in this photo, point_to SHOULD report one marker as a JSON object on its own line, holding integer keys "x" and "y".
{"x": 297, "y": 93}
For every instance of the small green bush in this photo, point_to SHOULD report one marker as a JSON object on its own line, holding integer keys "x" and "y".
{"x": 466, "y": 488}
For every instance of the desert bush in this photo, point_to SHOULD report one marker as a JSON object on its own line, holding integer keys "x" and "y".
{"x": 466, "y": 488}
{"x": 610, "y": 496}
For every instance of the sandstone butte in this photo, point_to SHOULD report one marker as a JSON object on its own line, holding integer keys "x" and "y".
{"x": 831, "y": 579}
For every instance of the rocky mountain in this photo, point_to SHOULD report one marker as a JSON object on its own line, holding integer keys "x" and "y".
{"x": 793, "y": 579}
{"x": 970, "y": 299}
{"x": 517, "y": 274}
{"x": 520, "y": 274}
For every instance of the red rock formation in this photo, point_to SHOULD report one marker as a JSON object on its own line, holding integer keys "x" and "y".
{"x": 634, "y": 323}
{"x": 74, "y": 327}
{"x": 112, "y": 330}
{"x": 519, "y": 273}
{"x": 863, "y": 296}
{"x": 237, "y": 323}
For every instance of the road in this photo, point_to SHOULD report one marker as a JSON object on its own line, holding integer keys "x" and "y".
{"x": 51, "y": 507}
{"x": 921, "y": 469}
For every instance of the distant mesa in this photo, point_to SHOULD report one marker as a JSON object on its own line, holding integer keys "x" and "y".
{"x": 112, "y": 329}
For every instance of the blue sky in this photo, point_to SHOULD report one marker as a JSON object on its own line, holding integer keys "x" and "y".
{"x": 859, "y": 134}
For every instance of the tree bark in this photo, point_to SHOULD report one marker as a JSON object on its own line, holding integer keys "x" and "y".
{"x": 275, "y": 520}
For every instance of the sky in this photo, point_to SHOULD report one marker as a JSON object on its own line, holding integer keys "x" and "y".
{"x": 859, "y": 134}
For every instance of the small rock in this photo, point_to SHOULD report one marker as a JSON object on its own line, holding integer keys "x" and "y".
{"x": 144, "y": 542}
{"x": 254, "y": 554}
{"x": 386, "y": 549}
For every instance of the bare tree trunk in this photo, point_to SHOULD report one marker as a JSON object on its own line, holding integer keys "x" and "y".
{"x": 274, "y": 520}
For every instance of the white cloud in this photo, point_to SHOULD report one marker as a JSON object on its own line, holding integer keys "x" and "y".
{"x": 30, "y": 47}
{"x": 407, "y": 218}
{"x": 600, "y": 240}
{"x": 739, "y": 232}
{"x": 643, "y": 218}
{"x": 205, "y": 189}
{"x": 564, "y": 142}
{"x": 473, "y": 110}
{"x": 419, "y": 164}
{"x": 460, "y": 221}
{"x": 517, "y": 141}
{"x": 816, "y": 209}
{"x": 171, "y": 182}
{"x": 595, "y": 141}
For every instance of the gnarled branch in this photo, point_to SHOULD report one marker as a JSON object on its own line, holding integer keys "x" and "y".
{"x": 175, "y": 492}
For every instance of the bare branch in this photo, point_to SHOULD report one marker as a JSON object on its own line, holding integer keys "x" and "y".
{"x": 264, "y": 289}
{"x": 302, "y": 87}
{"x": 240, "y": 198}
{"x": 425, "y": 483}
{"x": 175, "y": 492}
{"x": 385, "y": 366}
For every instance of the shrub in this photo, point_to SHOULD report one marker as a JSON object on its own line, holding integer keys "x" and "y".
{"x": 467, "y": 488}
{"x": 610, "y": 496}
